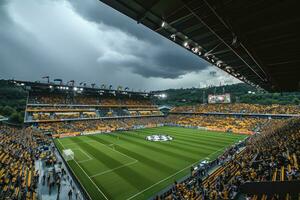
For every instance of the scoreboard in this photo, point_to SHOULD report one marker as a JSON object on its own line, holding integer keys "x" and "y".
{"x": 222, "y": 98}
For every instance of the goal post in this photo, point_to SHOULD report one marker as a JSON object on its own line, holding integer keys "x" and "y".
{"x": 68, "y": 154}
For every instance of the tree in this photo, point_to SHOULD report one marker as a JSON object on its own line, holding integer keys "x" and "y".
{"x": 14, "y": 117}
{"x": 7, "y": 110}
{"x": 296, "y": 101}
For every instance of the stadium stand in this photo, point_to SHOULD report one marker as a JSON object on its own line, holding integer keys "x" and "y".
{"x": 240, "y": 108}
{"x": 73, "y": 128}
{"x": 63, "y": 99}
{"x": 18, "y": 152}
{"x": 43, "y": 107}
{"x": 244, "y": 125}
{"x": 270, "y": 156}
{"x": 271, "y": 152}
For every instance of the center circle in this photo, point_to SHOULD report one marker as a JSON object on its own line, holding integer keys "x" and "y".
{"x": 158, "y": 138}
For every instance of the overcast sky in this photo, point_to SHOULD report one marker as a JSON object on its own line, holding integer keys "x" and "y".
{"x": 86, "y": 40}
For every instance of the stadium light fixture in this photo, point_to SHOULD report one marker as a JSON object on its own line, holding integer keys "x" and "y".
{"x": 219, "y": 63}
{"x": 163, "y": 95}
{"x": 50, "y": 86}
{"x": 195, "y": 49}
{"x": 228, "y": 69}
{"x": 186, "y": 44}
{"x": 173, "y": 36}
{"x": 75, "y": 88}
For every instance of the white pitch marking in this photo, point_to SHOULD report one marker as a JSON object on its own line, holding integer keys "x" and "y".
{"x": 111, "y": 170}
{"x": 117, "y": 151}
{"x": 107, "y": 147}
{"x": 87, "y": 175}
{"x": 170, "y": 176}
{"x": 85, "y": 160}
{"x": 72, "y": 143}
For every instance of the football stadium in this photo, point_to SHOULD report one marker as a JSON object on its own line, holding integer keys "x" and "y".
{"x": 85, "y": 141}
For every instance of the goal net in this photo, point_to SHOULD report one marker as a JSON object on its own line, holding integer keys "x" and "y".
{"x": 68, "y": 154}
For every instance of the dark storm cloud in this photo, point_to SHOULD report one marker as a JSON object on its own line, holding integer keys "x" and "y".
{"x": 98, "y": 12}
{"x": 14, "y": 50}
{"x": 89, "y": 41}
{"x": 167, "y": 61}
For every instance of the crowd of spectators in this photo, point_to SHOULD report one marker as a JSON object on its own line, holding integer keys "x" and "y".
{"x": 62, "y": 115}
{"x": 61, "y": 99}
{"x": 96, "y": 126}
{"x": 272, "y": 155}
{"x": 245, "y": 125}
{"x": 19, "y": 148}
{"x": 58, "y": 115}
{"x": 57, "y": 107}
{"x": 240, "y": 108}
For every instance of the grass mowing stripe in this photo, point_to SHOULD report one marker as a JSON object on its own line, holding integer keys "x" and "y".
{"x": 159, "y": 163}
{"x": 180, "y": 147}
{"x": 186, "y": 134}
{"x": 161, "y": 149}
{"x": 207, "y": 132}
{"x": 117, "y": 151}
{"x": 170, "y": 176}
{"x": 111, "y": 170}
{"x": 111, "y": 162}
{"x": 210, "y": 135}
{"x": 144, "y": 158}
{"x": 204, "y": 139}
{"x": 86, "y": 176}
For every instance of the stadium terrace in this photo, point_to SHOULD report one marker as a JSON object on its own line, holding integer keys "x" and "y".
{"x": 89, "y": 145}
{"x": 83, "y": 142}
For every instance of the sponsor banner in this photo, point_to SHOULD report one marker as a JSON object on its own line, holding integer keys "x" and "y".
{"x": 202, "y": 128}
{"x": 222, "y": 98}
{"x": 62, "y": 135}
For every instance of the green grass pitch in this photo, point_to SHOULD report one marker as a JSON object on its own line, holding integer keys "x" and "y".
{"x": 123, "y": 165}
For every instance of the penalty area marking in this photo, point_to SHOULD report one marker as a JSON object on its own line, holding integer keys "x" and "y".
{"x": 161, "y": 181}
{"x": 116, "y": 168}
{"x": 109, "y": 146}
{"x": 87, "y": 175}
{"x": 85, "y": 153}
{"x": 113, "y": 169}
{"x": 72, "y": 143}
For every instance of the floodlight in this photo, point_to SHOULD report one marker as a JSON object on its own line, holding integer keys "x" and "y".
{"x": 186, "y": 44}
{"x": 195, "y": 49}
{"x": 75, "y": 88}
{"x": 219, "y": 63}
{"x": 163, "y": 96}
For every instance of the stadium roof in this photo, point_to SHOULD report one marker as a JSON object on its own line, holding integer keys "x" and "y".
{"x": 255, "y": 41}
